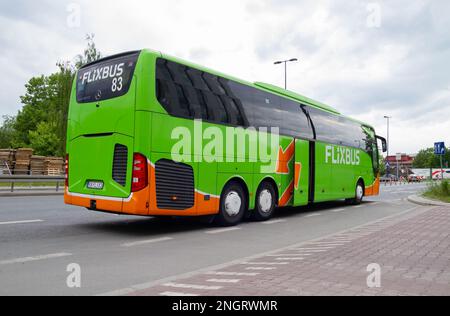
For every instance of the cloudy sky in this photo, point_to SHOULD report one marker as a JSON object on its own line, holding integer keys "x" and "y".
{"x": 366, "y": 58}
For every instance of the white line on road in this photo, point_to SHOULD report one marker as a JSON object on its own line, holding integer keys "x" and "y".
{"x": 222, "y": 230}
{"x": 288, "y": 255}
{"x": 192, "y": 286}
{"x": 22, "y": 222}
{"x": 225, "y": 273}
{"x": 260, "y": 268}
{"x": 339, "y": 210}
{"x": 148, "y": 241}
{"x": 35, "y": 258}
{"x": 224, "y": 280}
{"x": 274, "y": 222}
{"x": 329, "y": 243}
{"x": 177, "y": 294}
{"x": 314, "y": 215}
{"x": 290, "y": 259}
{"x": 265, "y": 263}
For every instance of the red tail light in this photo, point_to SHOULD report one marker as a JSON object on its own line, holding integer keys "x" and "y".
{"x": 66, "y": 171}
{"x": 140, "y": 173}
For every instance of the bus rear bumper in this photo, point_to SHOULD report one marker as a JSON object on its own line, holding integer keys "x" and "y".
{"x": 138, "y": 204}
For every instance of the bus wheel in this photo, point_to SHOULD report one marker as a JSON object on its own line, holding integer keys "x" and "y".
{"x": 265, "y": 202}
{"x": 233, "y": 202}
{"x": 359, "y": 194}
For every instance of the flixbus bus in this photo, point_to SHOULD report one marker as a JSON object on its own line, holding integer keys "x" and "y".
{"x": 140, "y": 129}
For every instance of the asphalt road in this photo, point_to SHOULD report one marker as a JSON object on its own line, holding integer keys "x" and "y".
{"x": 40, "y": 237}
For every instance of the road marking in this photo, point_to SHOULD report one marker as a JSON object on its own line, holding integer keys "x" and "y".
{"x": 290, "y": 259}
{"x": 176, "y": 294}
{"x": 359, "y": 206}
{"x": 35, "y": 258}
{"x": 339, "y": 210}
{"x": 311, "y": 251}
{"x": 274, "y": 222}
{"x": 22, "y": 222}
{"x": 222, "y": 230}
{"x": 260, "y": 268}
{"x": 329, "y": 243}
{"x": 315, "y": 248}
{"x": 148, "y": 241}
{"x": 232, "y": 273}
{"x": 192, "y": 286}
{"x": 314, "y": 215}
{"x": 224, "y": 280}
{"x": 265, "y": 263}
{"x": 288, "y": 255}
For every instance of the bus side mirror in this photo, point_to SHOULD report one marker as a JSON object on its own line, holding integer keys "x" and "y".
{"x": 383, "y": 143}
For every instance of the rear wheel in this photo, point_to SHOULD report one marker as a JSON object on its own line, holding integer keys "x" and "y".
{"x": 233, "y": 204}
{"x": 359, "y": 194}
{"x": 265, "y": 202}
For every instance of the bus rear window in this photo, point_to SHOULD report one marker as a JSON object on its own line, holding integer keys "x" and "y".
{"x": 106, "y": 79}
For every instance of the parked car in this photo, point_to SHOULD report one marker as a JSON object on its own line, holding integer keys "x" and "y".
{"x": 414, "y": 178}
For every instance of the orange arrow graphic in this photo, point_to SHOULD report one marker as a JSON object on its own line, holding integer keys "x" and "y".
{"x": 284, "y": 157}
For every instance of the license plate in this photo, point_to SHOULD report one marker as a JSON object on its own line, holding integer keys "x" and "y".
{"x": 95, "y": 185}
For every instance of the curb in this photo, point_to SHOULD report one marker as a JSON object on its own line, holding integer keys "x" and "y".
{"x": 36, "y": 193}
{"x": 425, "y": 202}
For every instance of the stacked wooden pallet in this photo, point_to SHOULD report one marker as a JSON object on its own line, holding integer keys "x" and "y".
{"x": 37, "y": 165}
{"x": 22, "y": 163}
{"x": 53, "y": 166}
{"x": 7, "y": 157}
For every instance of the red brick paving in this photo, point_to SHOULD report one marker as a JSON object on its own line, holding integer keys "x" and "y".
{"x": 413, "y": 251}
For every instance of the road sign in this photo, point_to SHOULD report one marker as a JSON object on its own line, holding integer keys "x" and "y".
{"x": 439, "y": 148}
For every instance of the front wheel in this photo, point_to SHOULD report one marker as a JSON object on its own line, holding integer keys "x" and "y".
{"x": 359, "y": 195}
{"x": 233, "y": 203}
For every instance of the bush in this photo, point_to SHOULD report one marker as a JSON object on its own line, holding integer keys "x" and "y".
{"x": 439, "y": 191}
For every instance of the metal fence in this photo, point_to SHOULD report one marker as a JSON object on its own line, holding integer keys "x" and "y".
{"x": 27, "y": 179}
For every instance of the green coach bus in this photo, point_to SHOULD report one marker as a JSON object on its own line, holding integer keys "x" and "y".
{"x": 152, "y": 135}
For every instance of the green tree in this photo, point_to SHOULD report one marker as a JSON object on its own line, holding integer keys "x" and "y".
{"x": 45, "y": 107}
{"x": 382, "y": 164}
{"x": 7, "y": 132}
{"x": 44, "y": 140}
{"x": 90, "y": 54}
{"x": 427, "y": 159}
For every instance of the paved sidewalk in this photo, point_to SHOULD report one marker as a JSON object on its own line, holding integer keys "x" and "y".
{"x": 413, "y": 251}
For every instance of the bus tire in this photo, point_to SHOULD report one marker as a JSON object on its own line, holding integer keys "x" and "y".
{"x": 359, "y": 194}
{"x": 233, "y": 205}
{"x": 266, "y": 202}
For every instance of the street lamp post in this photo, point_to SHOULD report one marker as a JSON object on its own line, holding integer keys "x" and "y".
{"x": 388, "y": 146}
{"x": 285, "y": 68}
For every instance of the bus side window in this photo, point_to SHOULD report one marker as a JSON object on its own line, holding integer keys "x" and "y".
{"x": 169, "y": 97}
{"x": 234, "y": 114}
{"x": 216, "y": 111}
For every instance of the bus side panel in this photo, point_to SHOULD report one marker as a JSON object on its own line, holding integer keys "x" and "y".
{"x": 323, "y": 189}
{"x": 301, "y": 173}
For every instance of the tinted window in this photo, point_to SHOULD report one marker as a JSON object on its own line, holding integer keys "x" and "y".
{"x": 106, "y": 79}
{"x": 264, "y": 109}
{"x": 191, "y": 93}
{"x": 339, "y": 130}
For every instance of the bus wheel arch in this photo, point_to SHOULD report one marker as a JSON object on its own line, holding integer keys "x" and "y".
{"x": 234, "y": 203}
{"x": 266, "y": 200}
{"x": 360, "y": 190}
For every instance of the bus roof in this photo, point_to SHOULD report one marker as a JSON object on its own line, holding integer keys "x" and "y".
{"x": 261, "y": 86}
